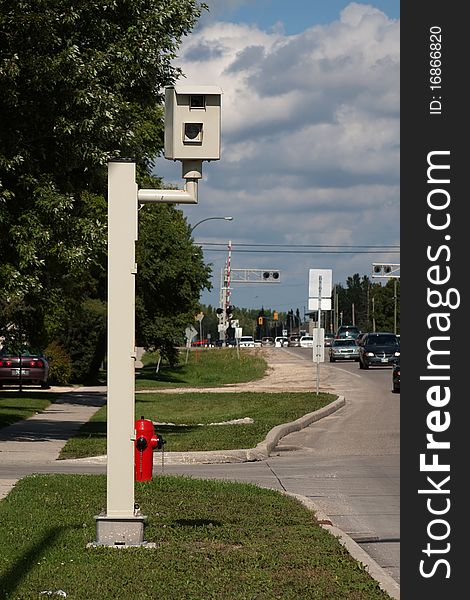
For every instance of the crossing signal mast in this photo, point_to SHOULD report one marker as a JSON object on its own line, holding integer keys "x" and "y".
{"x": 229, "y": 276}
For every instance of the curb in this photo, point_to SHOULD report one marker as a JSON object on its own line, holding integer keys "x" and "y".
{"x": 265, "y": 448}
{"x": 260, "y": 452}
{"x": 385, "y": 581}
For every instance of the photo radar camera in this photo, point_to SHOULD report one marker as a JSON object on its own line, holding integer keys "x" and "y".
{"x": 192, "y": 122}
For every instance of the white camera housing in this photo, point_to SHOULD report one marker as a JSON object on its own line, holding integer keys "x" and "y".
{"x": 192, "y": 122}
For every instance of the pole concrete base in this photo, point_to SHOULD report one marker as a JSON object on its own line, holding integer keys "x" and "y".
{"x": 115, "y": 532}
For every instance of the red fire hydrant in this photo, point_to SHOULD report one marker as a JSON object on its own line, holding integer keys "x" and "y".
{"x": 145, "y": 442}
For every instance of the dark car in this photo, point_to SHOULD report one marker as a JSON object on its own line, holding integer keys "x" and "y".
{"x": 396, "y": 377}
{"x": 378, "y": 349}
{"x": 344, "y": 349}
{"x": 25, "y": 367}
{"x": 360, "y": 337}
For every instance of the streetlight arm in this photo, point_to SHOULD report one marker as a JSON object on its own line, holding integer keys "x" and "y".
{"x": 209, "y": 219}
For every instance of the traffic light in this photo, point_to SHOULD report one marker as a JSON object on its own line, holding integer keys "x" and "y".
{"x": 229, "y": 311}
{"x": 260, "y": 320}
{"x": 271, "y": 276}
{"x": 385, "y": 270}
{"x": 275, "y": 315}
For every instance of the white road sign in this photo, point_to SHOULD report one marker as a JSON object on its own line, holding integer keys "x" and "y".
{"x": 325, "y": 303}
{"x": 314, "y": 276}
{"x": 190, "y": 333}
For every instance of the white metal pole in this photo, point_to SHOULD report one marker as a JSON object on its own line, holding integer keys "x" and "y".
{"x": 122, "y": 525}
{"x": 122, "y": 235}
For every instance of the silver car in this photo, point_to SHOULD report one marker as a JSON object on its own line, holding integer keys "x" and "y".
{"x": 344, "y": 349}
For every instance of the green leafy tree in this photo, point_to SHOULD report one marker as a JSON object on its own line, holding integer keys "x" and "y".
{"x": 384, "y": 306}
{"x": 80, "y": 83}
{"x": 373, "y": 303}
{"x": 171, "y": 276}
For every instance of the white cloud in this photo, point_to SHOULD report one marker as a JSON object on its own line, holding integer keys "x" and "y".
{"x": 310, "y": 134}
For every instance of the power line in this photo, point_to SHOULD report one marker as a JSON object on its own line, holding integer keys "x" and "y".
{"x": 304, "y": 245}
{"x": 307, "y": 251}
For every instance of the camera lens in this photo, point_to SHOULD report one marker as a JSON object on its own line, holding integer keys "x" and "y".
{"x": 192, "y": 131}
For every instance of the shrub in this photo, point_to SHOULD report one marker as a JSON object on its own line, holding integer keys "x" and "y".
{"x": 85, "y": 341}
{"x": 60, "y": 364}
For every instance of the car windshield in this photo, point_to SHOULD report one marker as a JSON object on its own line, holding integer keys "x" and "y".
{"x": 348, "y": 329}
{"x": 380, "y": 339}
{"x": 345, "y": 342}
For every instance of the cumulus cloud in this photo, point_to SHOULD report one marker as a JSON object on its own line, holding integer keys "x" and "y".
{"x": 310, "y": 132}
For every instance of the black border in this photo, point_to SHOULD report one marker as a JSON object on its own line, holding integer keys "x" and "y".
{"x": 422, "y": 132}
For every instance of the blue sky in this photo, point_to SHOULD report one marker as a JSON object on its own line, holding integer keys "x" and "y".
{"x": 310, "y": 142}
{"x": 293, "y": 15}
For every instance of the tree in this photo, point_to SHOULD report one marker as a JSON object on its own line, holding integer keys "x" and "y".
{"x": 373, "y": 303}
{"x": 384, "y": 306}
{"x": 80, "y": 83}
{"x": 171, "y": 276}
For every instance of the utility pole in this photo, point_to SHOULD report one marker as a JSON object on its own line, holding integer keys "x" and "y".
{"x": 373, "y": 314}
{"x": 395, "y": 306}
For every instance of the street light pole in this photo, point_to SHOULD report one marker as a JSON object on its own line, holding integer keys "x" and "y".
{"x": 223, "y": 285}
{"x": 209, "y": 219}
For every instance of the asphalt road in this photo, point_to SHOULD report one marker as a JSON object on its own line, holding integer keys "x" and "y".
{"x": 355, "y": 460}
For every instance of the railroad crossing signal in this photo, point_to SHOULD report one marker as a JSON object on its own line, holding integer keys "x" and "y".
{"x": 255, "y": 276}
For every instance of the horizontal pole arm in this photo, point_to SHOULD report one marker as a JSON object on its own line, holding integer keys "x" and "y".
{"x": 186, "y": 196}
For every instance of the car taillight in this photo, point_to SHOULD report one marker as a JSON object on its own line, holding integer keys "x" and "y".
{"x": 36, "y": 363}
{"x": 5, "y": 363}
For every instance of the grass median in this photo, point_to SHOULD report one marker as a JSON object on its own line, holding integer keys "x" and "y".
{"x": 214, "y": 541}
{"x": 202, "y": 367}
{"x": 197, "y": 421}
{"x": 202, "y": 421}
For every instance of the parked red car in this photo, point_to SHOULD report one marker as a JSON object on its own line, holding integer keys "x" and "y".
{"x": 27, "y": 367}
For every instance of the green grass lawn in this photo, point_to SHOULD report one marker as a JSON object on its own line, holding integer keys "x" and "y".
{"x": 195, "y": 411}
{"x": 15, "y": 406}
{"x": 206, "y": 367}
{"x": 214, "y": 540}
